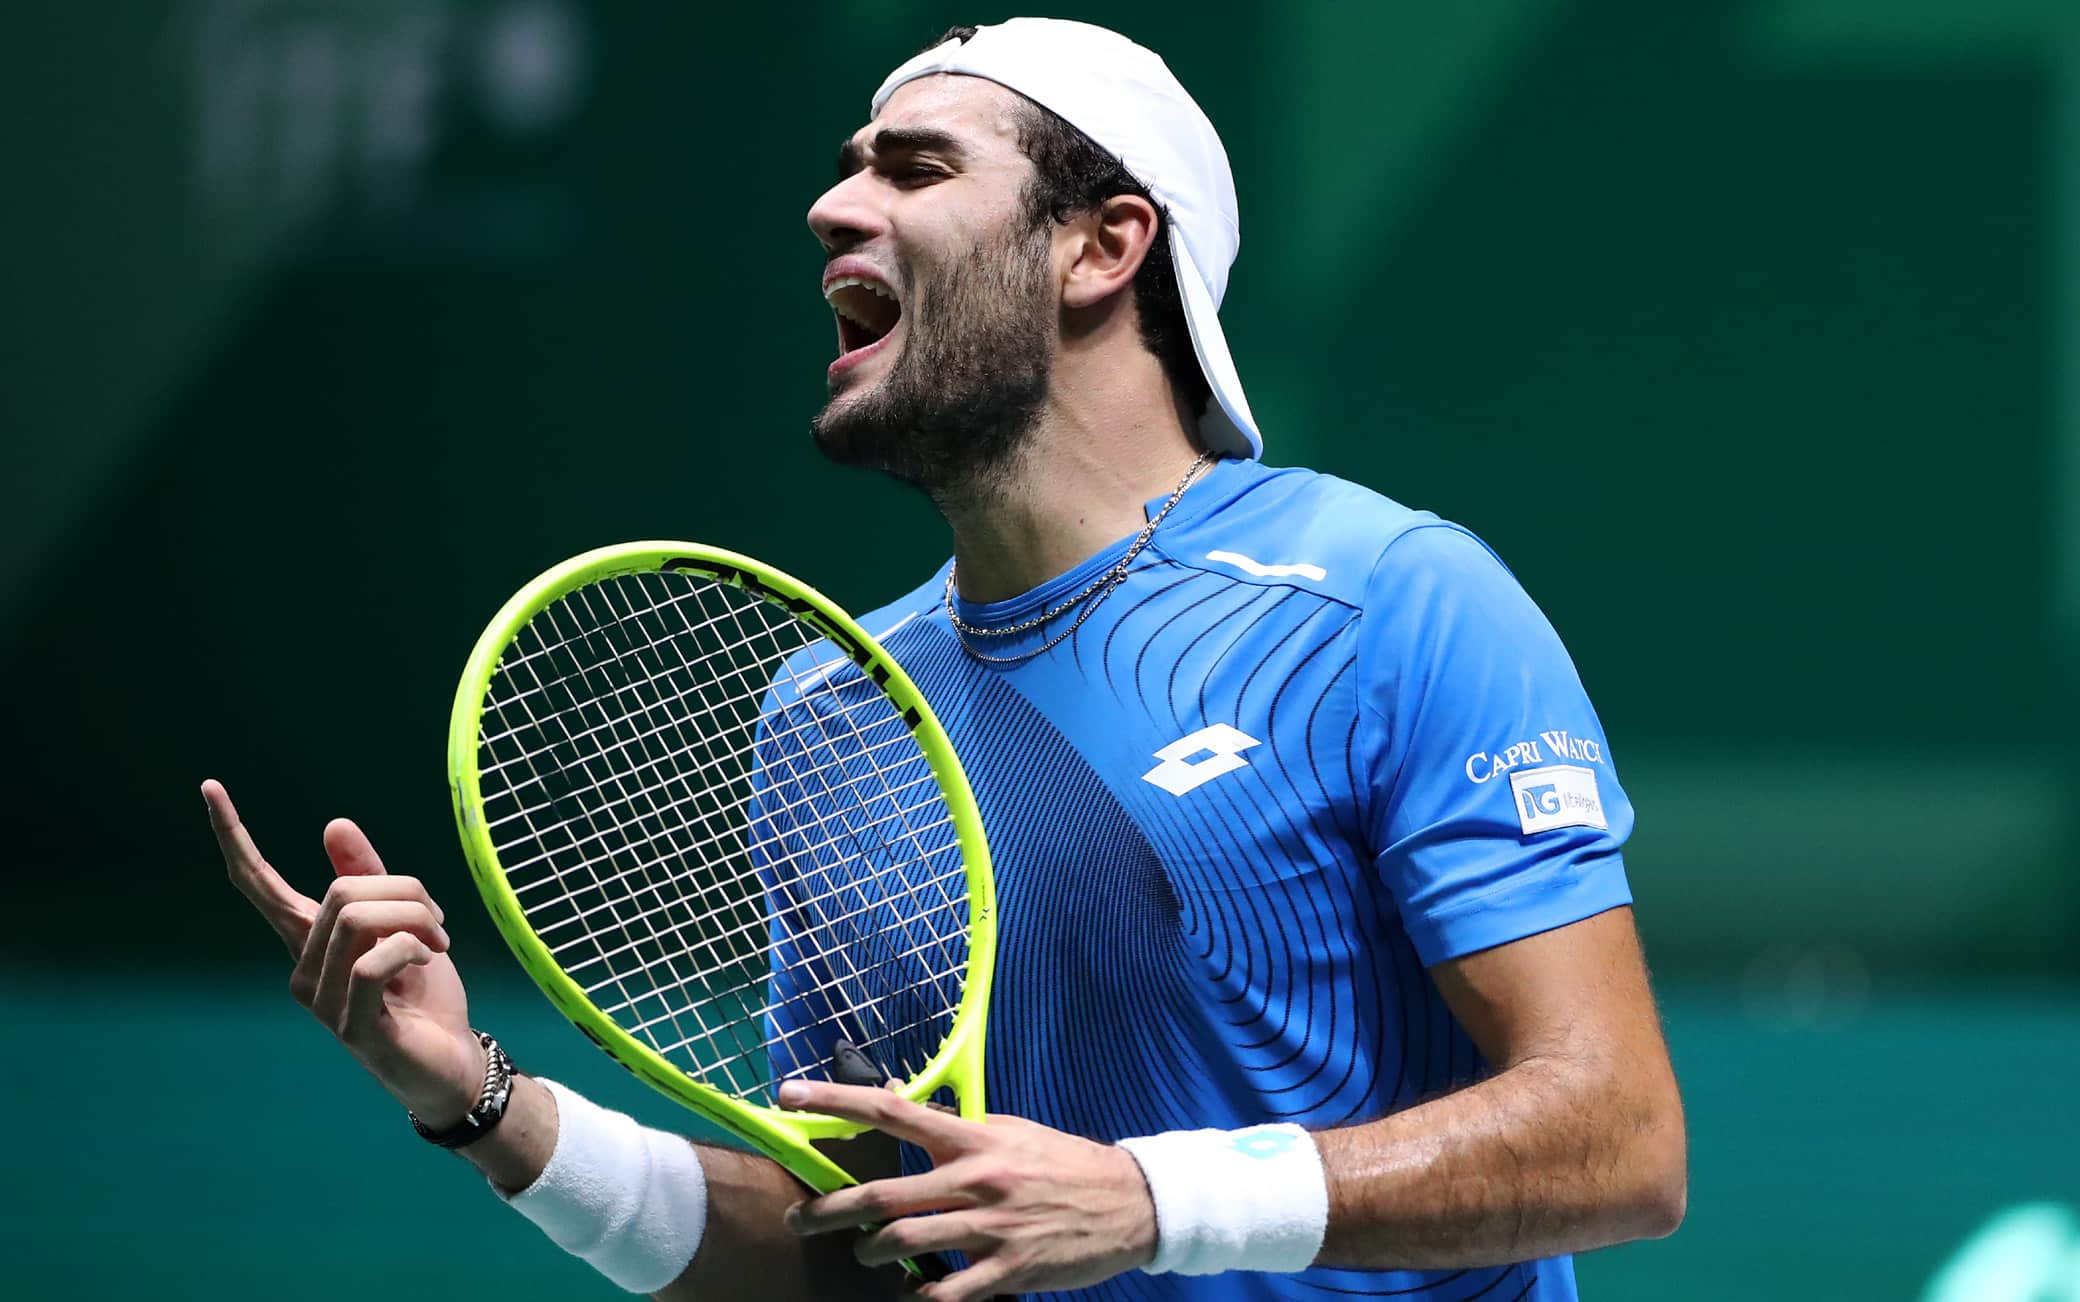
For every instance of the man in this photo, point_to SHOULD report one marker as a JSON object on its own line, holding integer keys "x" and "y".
{"x": 1318, "y": 973}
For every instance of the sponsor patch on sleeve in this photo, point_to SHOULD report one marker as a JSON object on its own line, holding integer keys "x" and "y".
{"x": 1558, "y": 795}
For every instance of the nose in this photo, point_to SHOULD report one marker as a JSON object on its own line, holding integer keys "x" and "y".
{"x": 845, "y": 216}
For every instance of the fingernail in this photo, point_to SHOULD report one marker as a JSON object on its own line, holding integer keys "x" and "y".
{"x": 442, "y": 932}
{"x": 792, "y": 1093}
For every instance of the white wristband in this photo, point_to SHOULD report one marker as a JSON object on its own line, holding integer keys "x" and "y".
{"x": 1253, "y": 1199}
{"x": 630, "y": 1200}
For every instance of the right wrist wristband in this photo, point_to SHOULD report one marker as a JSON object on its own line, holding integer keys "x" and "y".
{"x": 631, "y": 1201}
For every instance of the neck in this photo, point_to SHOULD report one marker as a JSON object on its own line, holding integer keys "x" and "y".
{"x": 1099, "y": 449}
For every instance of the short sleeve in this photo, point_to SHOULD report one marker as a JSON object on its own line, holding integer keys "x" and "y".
{"x": 1492, "y": 805}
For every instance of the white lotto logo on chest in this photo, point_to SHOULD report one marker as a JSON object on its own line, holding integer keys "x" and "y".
{"x": 1200, "y": 757}
{"x": 1558, "y": 795}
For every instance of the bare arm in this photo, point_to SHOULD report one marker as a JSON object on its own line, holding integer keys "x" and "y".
{"x": 372, "y": 966}
{"x": 748, "y": 1239}
{"x": 1576, "y": 1141}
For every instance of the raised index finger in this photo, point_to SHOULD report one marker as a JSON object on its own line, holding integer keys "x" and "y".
{"x": 286, "y": 909}
{"x": 883, "y": 1109}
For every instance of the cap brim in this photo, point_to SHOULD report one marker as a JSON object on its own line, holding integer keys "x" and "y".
{"x": 1227, "y": 427}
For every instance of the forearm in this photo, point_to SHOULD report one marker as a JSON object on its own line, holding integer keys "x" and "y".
{"x": 513, "y": 1155}
{"x": 1544, "y": 1158}
{"x": 744, "y": 1237}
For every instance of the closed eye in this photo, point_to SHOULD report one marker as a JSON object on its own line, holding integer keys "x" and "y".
{"x": 900, "y": 151}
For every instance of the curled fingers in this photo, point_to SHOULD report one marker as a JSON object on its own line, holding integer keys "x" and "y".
{"x": 345, "y": 893}
{"x": 358, "y": 926}
{"x": 384, "y": 962}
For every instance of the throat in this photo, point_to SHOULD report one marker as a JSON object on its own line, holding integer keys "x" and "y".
{"x": 1043, "y": 527}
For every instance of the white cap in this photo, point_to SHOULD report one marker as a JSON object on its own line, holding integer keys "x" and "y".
{"x": 1124, "y": 97}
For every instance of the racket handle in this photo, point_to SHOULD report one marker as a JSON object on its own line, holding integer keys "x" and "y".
{"x": 851, "y": 1066}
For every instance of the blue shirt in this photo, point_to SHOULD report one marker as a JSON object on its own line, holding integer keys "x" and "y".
{"x": 1315, "y": 743}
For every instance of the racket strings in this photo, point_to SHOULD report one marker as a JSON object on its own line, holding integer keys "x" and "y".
{"x": 620, "y": 877}
{"x": 696, "y": 718}
{"x": 814, "y": 922}
{"x": 713, "y": 937}
{"x": 737, "y": 845}
{"x": 664, "y": 781}
{"x": 705, "y": 907}
{"x": 668, "y": 959}
{"x": 517, "y": 659}
{"x": 864, "y": 701}
{"x": 579, "y": 683}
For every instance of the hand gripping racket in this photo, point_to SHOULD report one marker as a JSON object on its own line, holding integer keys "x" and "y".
{"x": 722, "y": 830}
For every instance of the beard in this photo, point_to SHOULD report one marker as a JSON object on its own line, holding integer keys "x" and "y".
{"x": 955, "y": 409}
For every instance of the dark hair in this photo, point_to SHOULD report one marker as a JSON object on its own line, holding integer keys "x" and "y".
{"x": 1073, "y": 174}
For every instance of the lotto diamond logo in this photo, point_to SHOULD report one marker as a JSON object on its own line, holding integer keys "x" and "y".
{"x": 1263, "y": 1144}
{"x": 1199, "y": 758}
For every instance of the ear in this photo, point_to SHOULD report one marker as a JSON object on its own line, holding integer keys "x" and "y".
{"x": 1107, "y": 246}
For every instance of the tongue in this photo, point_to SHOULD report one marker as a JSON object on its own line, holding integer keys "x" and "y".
{"x": 852, "y": 336}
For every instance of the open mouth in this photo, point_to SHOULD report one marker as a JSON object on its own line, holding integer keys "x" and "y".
{"x": 867, "y": 312}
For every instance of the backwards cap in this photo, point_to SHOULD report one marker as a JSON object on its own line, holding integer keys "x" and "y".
{"x": 1124, "y": 97}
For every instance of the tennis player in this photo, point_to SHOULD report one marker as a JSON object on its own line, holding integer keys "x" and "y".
{"x": 1317, "y": 970}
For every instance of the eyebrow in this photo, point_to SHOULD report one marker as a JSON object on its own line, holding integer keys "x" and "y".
{"x": 900, "y": 140}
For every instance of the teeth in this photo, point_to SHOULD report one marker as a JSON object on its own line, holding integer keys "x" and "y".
{"x": 844, "y": 281}
{"x": 857, "y": 282}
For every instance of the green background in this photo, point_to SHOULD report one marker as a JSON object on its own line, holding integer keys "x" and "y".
{"x": 1746, "y": 332}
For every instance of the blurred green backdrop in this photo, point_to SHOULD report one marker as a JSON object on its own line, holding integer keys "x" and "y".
{"x": 1744, "y": 329}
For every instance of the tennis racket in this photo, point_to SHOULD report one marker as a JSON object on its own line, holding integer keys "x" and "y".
{"x": 721, "y": 829}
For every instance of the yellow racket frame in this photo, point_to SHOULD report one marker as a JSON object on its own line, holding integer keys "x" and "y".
{"x": 781, "y": 1134}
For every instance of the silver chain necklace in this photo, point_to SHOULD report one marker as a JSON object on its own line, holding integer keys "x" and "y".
{"x": 1101, "y": 586}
